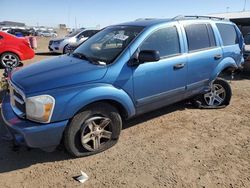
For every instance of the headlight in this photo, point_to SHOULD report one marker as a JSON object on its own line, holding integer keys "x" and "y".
{"x": 57, "y": 42}
{"x": 40, "y": 108}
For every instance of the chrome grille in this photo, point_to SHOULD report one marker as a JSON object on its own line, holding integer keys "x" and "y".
{"x": 17, "y": 100}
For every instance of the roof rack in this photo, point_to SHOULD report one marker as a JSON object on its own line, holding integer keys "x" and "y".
{"x": 197, "y": 17}
{"x": 144, "y": 19}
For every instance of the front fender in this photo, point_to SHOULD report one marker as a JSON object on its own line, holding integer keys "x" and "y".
{"x": 225, "y": 63}
{"x": 69, "y": 104}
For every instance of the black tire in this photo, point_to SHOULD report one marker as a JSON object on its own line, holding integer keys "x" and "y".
{"x": 13, "y": 56}
{"x": 65, "y": 49}
{"x": 74, "y": 132}
{"x": 221, "y": 89}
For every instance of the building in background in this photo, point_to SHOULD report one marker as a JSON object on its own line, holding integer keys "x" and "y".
{"x": 62, "y": 26}
{"x": 11, "y": 24}
{"x": 242, "y": 19}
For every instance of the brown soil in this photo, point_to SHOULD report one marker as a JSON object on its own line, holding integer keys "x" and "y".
{"x": 177, "y": 146}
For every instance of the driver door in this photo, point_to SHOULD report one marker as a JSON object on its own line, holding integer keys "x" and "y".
{"x": 160, "y": 83}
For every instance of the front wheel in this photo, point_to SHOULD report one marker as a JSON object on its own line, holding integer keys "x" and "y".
{"x": 219, "y": 95}
{"x": 67, "y": 49}
{"x": 93, "y": 130}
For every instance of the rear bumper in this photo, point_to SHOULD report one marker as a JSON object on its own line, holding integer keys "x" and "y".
{"x": 28, "y": 54}
{"x": 34, "y": 135}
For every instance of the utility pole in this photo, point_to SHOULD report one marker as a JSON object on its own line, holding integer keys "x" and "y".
{"x": 75, "y": 23}
{"x": 245, "y": 3}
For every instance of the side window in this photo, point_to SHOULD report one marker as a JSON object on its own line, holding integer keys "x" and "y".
{"x": 83, "y": 34}
{"x": 166, "y": 41}
{"x": 199, "y": 36}
{"x": 211, "y": 35}
{"x": 93, "y": 32}
{"x": 228, "y": 34}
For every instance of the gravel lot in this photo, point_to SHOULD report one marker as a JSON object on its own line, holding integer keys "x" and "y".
{"x": 177, "y": 146}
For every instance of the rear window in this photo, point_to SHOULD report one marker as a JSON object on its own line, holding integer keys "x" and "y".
{"x": 228, "y": 34}
{"x": 199, "y": 36}
{"x": 247, "y": 39}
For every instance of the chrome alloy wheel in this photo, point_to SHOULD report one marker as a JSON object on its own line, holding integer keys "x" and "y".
{"x": 96, "y": 133}
{"x": 9, "y": 60}
{"x": 216, "y": 96}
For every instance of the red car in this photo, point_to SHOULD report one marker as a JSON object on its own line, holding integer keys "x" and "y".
{"x": 13, "y": 50}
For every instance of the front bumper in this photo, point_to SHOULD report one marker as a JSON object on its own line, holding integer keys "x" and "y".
{"x": 34, "y": 135}
{"x": 55, "y": 48}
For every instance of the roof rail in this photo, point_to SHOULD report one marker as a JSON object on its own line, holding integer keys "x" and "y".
{"x": 181, "y": 17}
{"x": 144, "y": 19}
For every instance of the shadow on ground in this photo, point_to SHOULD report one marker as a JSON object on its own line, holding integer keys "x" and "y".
{"x": 47, "y": 53}
{"x": 13, "y": 160}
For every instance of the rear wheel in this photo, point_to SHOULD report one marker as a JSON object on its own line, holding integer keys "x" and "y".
{"x": 219, "y": 95}
{"x": 93, "y": 130}
{"x": 9, "y": 59}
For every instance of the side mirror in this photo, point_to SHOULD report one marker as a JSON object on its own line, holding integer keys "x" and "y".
{"x": 148, "y": 56}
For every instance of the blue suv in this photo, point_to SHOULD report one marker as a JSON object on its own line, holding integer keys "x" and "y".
{"x": 124, "y": 70}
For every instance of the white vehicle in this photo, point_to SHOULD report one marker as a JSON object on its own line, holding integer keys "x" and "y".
{"x": 247, "y": 47}
{"x": 47, "y": 34}
{"x": 5, "y": 29}
{"x": 75, "y": 38}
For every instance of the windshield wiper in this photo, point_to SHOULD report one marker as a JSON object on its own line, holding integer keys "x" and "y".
{"x": 83, "y": 56}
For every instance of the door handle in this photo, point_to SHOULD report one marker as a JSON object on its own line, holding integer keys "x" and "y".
{"x": 218, "y": 56}
{"x": 179, "y": 66}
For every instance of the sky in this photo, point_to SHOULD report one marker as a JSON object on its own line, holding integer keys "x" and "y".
{"x": 83, "y": 13}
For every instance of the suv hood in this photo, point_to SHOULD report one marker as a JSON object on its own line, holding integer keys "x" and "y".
{"x": 52, "y": 73}
{"x": 59, "y": 39}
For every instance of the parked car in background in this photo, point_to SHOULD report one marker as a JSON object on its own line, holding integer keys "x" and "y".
{"x": 73, "y": 46}
{"x": 47, "y": 34}
{"x": 5, "y": 29}
{"x": 20, "y": 32}
{"x": 247, "y": 47}
{"x": 123, "y": 71}
{"x": 63, "y": 45}
{"x": 13, "y": 50}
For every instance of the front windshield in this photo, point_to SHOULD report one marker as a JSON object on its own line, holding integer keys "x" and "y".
{"x": 74, "y": 33}
{"x": 247, "y": 39}
{"x": 106, "y": 45}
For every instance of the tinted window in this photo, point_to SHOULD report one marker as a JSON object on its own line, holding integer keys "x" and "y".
{"x": 228, "y": 34}
{"x": 211, "y": 35}
{"x": 247, "y": 39}
{"x": 199, "y": 36}
{"x": 166, "y": 41}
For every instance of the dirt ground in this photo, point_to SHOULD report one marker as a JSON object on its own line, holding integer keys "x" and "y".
{"x": 177, "y": 146}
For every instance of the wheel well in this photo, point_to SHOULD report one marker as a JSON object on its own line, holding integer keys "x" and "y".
{"x": 12, "y": 53}
{"x": 122, "y": 111}
{"x": 228, "y": 70}
{"x": 65, "y": 47}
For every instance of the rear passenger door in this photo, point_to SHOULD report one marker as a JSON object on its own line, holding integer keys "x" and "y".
{"x": 230, "y": 41}
{"x": 203, "y": 55}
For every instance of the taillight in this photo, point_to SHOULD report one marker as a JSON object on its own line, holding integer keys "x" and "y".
{"x": 26, "y": 41}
